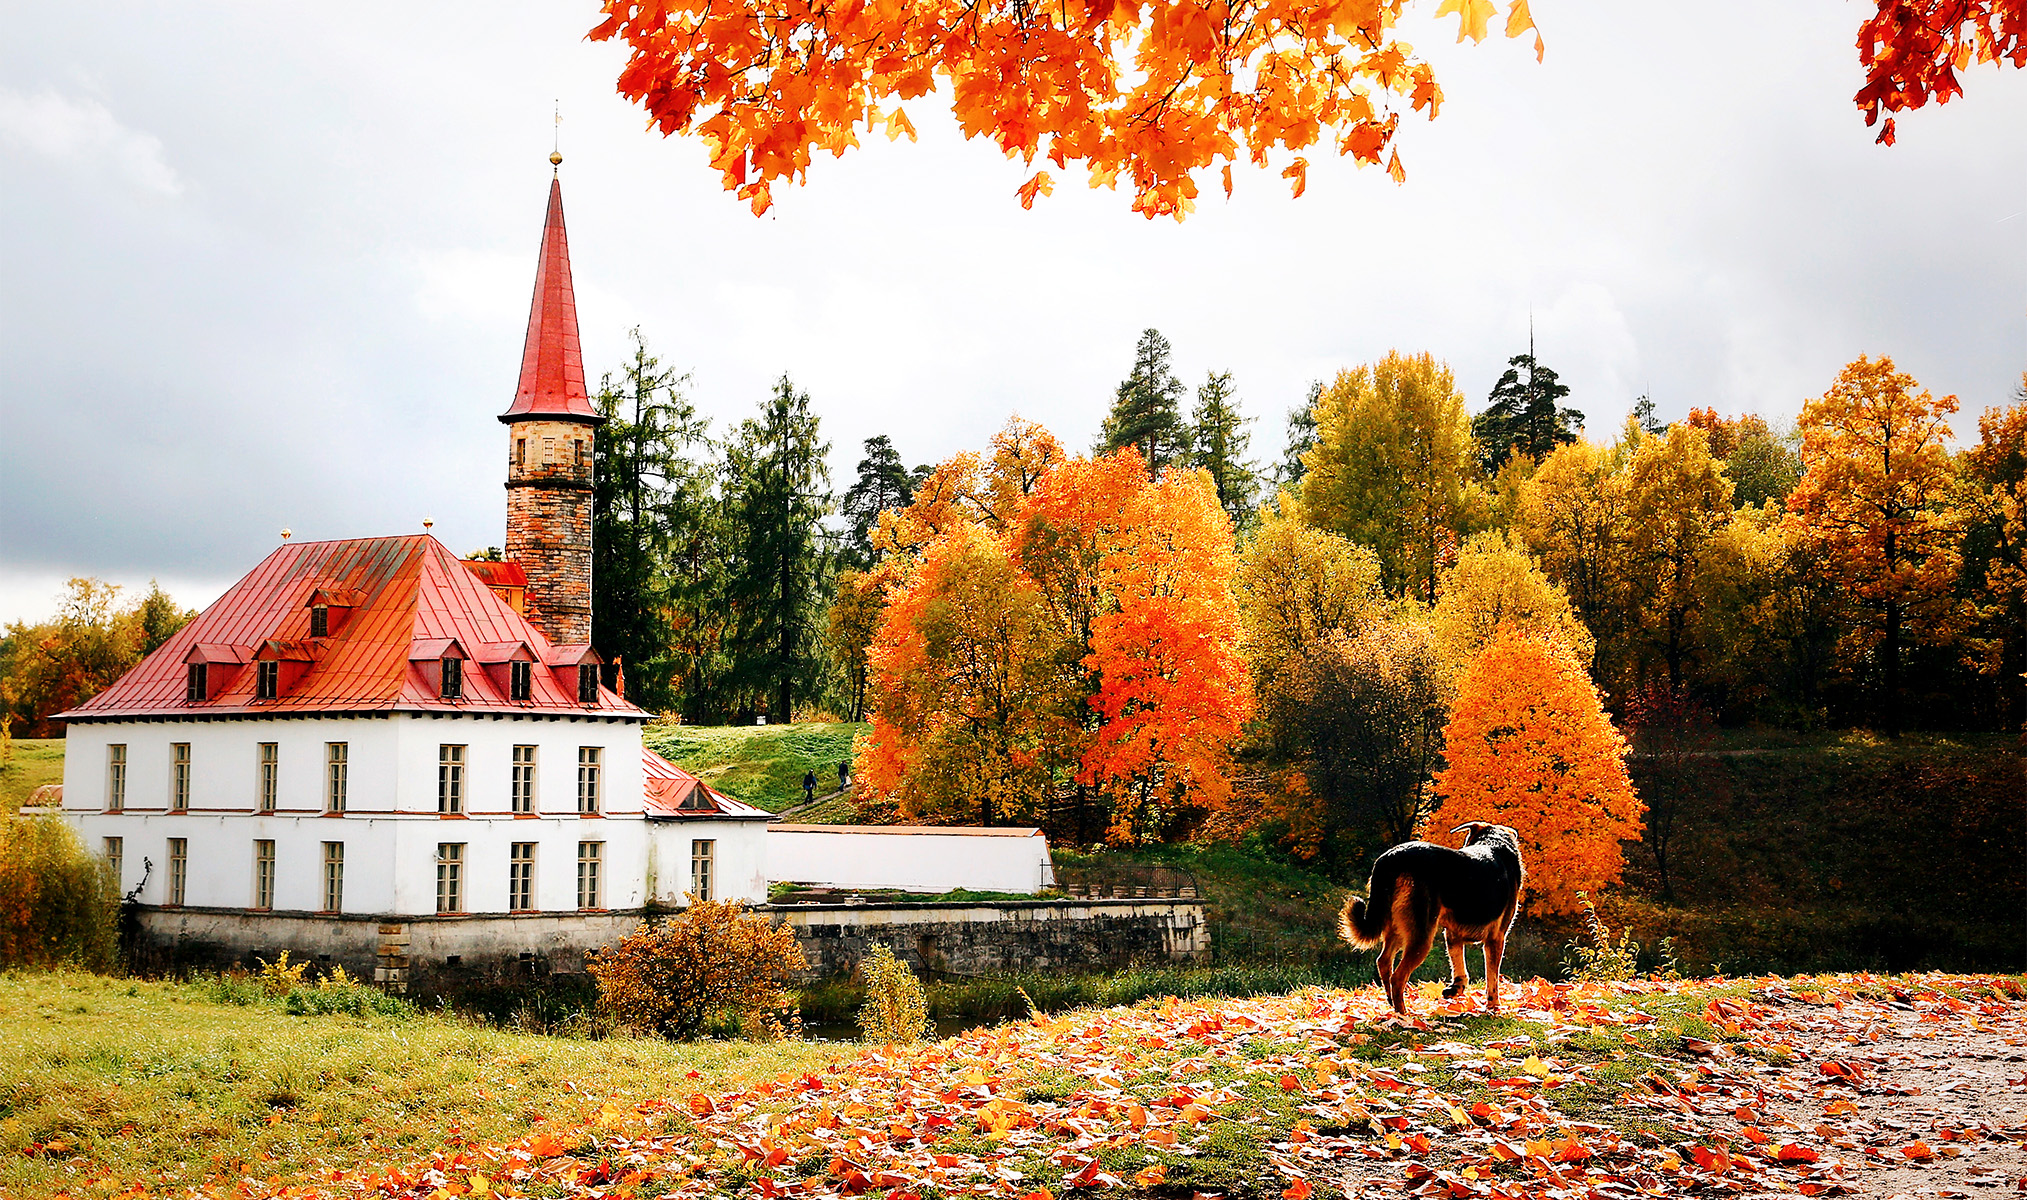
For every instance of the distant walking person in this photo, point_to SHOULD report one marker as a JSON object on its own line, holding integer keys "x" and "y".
{"x": 844, "y": 775}
{"x": 809, "y": 787}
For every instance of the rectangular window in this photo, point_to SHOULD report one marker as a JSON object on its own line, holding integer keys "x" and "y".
{"x": 263, "y": 873}
{"x": 520, "y": 452}
{"x": 179, "y": 867}
{"x": 270, "y": 775}
{"x": 337, "y": 767}
{"x": 548, "y": 451}
{"x": 267, "y": 679}
{"x": 587, "y": 778}
{"x": 179, "y": 777}
{"x": 520, "y": 680}
{"x": 116, "y": 860}
{"x": 453, "y": 678}
{"x": 587, "y": 684}
{"x": 524, "y": 779}
{"x": 116, "y": 777}
{"x": 700, "y": 867}
{"x": 587, "y": 874}
{"x": 320, "y": 621}
{"x": 193, "y": 688}
{"x": 521, "y": 877}
{"x": 334, "y": 876}
{"x": 450, "y": 779}
{"x": 450, "y": 877}
{"x": 579, "y": 443}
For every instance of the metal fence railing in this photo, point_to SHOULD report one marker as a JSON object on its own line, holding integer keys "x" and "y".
{"x": 1127, "y": 882}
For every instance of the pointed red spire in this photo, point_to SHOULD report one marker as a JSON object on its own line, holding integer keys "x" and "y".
{"x": 552, "y": 365}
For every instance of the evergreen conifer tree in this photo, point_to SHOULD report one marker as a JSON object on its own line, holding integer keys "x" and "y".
{"x": 1289, "y": 471}
{"x": 883, "y": 483}
{"x": 1220, "y": 438}
{"x": 1523, "y": 415}
{"x": 1145, "y": 412}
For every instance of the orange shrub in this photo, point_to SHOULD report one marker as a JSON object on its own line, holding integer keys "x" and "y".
{"x": 712, "y": 961}
{"x": 1529, "y": 745}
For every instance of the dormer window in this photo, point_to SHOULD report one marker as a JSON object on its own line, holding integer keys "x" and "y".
{"x": 194, "y": 688}
{"x": 587, "y": 684}
{"x": 320, "y": 621}
{"x": 453, "y": 678}
{"x": 520, "y": 680}
{"x": 267, "y": 679}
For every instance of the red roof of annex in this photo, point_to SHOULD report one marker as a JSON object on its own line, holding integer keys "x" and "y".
{"x": 399, "y": 605}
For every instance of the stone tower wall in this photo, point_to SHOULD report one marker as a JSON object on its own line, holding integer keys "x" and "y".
{"x": 549, "y": 523}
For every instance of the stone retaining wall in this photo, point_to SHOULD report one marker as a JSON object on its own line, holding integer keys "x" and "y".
{"x": 432, "y": 955}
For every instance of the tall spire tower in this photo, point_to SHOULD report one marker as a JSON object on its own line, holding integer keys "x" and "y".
{"x": 550, "y": 428}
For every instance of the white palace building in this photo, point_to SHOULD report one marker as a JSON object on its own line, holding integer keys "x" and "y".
{"x": 376, "y": 754}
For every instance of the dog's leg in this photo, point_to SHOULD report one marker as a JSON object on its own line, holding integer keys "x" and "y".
{"x": 1389, "y": 963}
{"x": 1495, "y": 950}
{"x": 1413, "y": 955}
{"x": 1460, "y": 971}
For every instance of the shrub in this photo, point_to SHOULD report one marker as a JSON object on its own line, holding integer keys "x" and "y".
{"x": 896, "y": 1010}
{"x": 57, "y": 902}
{"x": 1603, "y": 959}
{"x": 712, "y": 963}
{"x": 278, "y": 978}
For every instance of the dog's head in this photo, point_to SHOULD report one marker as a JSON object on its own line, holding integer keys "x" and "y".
{"x": 1481, "y": 831}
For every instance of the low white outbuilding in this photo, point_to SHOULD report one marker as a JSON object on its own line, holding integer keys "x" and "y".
{"x": 912, "y": 858}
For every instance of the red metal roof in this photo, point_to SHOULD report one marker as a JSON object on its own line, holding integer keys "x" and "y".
{"x": 411, "y": 592}
{"x": 552, "y": 365}
{"x": 671, "y": 792}
{"x": 498, "y": 572}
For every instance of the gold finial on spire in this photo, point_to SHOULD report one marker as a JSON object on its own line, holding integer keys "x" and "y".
{"x": 556, "y": 147}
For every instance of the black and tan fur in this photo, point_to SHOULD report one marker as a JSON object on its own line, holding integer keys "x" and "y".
{"x": 1418, "y": 888}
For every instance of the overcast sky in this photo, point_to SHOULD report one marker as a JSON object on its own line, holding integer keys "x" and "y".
{"x": 269, "y": 264}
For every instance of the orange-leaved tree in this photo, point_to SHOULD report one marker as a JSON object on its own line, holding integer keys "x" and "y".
{"x": 1913, "y": 49}
{"x": 1529, "y": 745}
{"x": 1153, "y": 95}
{"x": 1880, "y": 496}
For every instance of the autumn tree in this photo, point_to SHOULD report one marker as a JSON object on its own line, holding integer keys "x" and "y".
{"x": 1363, "y": 714}
{"x": 56, "y": 665}
{"x": 1496, "y": 585}
{"x": 1218, "y": 441}
{"x": 882, "y": 484}
{"x": 1391, "y": 466}
{"x": 777, "y": 493}
{"x": 1996, "y": 549}
{"x": 1672, "y": 732}
{"x": 1151, "y": 98}
{"x": 1677, "y": 500}
{"x": 651, "y": 483}
{"x": 1573, "y": 513}
{"x": 857, "y": 602}
{"x": 1761, "y": 463}
{"x": 1529, "y": 745}
{"x": 1146, "y": 413}
{"x": 1296, "y": 586}
{"x": 1879, "y": 496}
{"x": 1912, "y": 50}
{"x": 1524, "y": 415}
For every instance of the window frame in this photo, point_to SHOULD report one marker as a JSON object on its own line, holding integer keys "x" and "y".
{"x": 179, "y": 777}
{"x": 521, "y": 877}
{"x": 450, "y": 779}
{"x": 196, "y": 683}
{"x": 176, "y": 884}
{"x": 270, "y": 777}
{"x": 263, "y": 874}
{"x": 521, "y": 787}
{"x": 115, "y": 851}
{"x": 590, "y": 769}
{"x": 116, "y": 777}
{"x": 450, "y": 861}
{"x": 590, "y": 884}
{"x": 587, "y": 685}
{"x": 520, "y": 681}
{"x": 320, "y": 620}
{"x": 337, "y": 775}
{"x": 450, "y": 679}
{"x": 267, "y": 679}
{"x": 334, "y": 877}
{"x": 703, "y": 866}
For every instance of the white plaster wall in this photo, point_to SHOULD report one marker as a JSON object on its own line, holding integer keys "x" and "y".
{"x": 391, "y": 829}
{"x": 918, "y": 862}
{"x": 740, "y": 858}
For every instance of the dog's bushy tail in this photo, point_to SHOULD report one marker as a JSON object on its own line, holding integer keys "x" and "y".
{"x": 1363, "y": 920}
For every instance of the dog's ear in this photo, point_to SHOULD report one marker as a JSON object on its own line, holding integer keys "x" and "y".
{"x": 1470, "y": 829}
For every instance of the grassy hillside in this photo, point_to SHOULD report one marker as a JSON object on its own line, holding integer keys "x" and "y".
{"x": 760, "y": 764}
{"x": 36, "y": 761}
{"x": 161, "y": 1084}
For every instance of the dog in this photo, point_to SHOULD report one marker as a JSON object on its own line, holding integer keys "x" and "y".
{"x": 1417, "y": 888}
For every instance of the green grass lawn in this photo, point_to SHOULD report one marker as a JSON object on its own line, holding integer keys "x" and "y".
{"x": 760, "y": 764}
{"x": 36, "y": 761}
{"x": 159, "y": 1083}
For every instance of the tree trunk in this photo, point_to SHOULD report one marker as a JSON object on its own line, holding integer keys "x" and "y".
{"x": 1890, "y": 708}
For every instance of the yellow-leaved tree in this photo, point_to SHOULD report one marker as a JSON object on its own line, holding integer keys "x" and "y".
{"x": 1529, "y": 745}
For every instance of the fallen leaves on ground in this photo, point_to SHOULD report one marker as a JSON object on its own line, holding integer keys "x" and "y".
{"x": 1581, "y": 1091}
